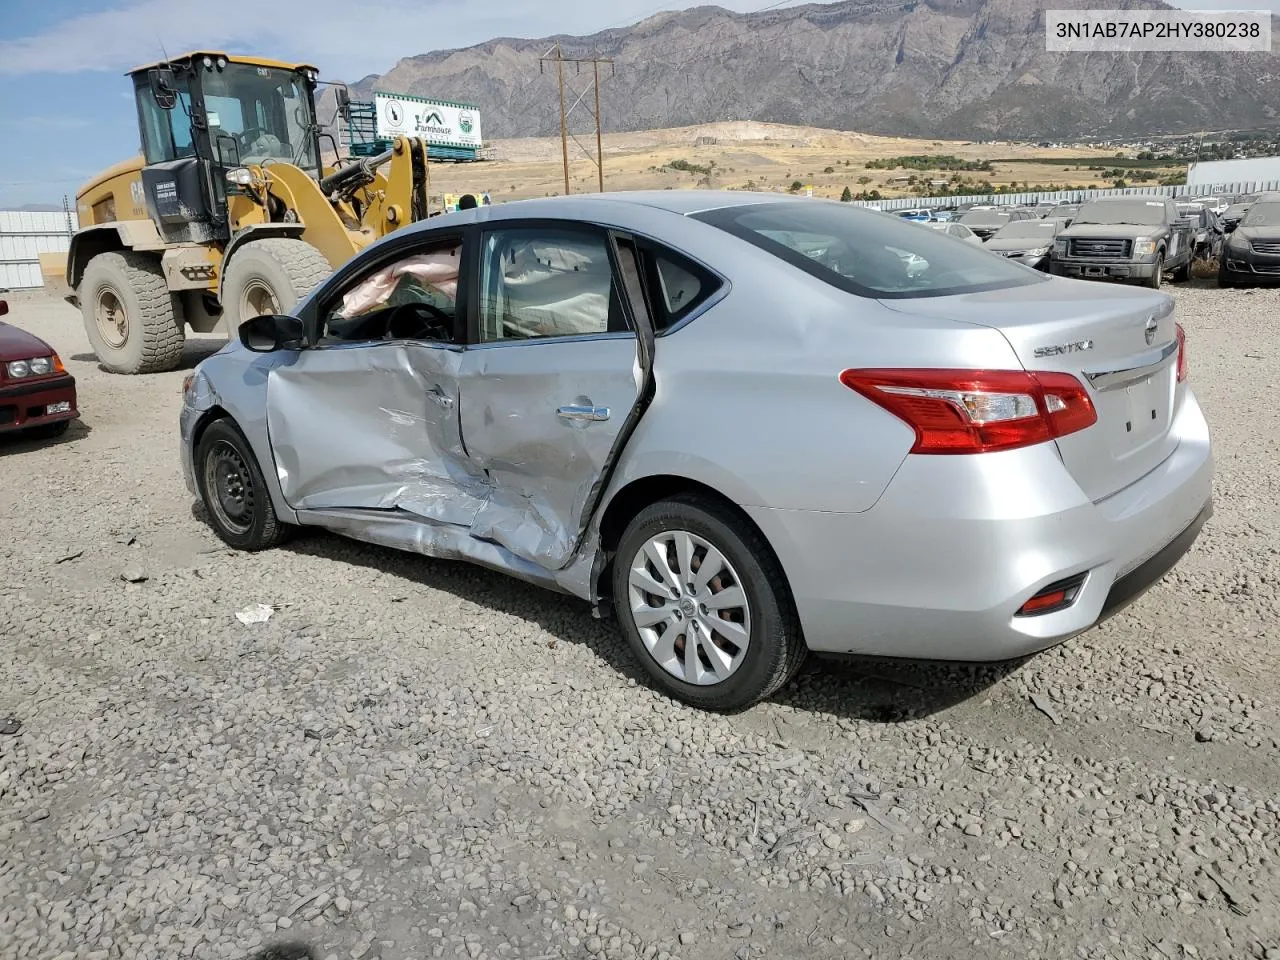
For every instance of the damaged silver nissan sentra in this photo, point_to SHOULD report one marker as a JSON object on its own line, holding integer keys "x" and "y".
{"x": 750, "y": 426}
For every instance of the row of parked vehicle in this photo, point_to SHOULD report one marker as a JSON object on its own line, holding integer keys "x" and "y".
{"x": 1129, "y": 238}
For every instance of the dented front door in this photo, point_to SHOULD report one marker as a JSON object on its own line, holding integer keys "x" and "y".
{"x": 549, "y": 389}
{"x": 372, "y": 425}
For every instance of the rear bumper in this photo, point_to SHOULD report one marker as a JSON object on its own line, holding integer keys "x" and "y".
{"x": 940, "y": 566}
{"x": 27, "y": 404}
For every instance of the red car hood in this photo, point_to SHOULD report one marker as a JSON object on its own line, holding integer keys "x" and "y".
{"x": 17, "y": 344}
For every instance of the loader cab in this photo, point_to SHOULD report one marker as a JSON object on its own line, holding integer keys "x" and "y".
{"x": 204, "y": 114}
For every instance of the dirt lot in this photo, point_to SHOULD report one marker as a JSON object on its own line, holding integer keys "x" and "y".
{"x": 742, "y": 155}
{"x": 415, "y": 758}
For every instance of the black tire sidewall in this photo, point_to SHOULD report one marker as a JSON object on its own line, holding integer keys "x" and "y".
{"x": 261, "y": 528}
{"x": 769, "y": 621}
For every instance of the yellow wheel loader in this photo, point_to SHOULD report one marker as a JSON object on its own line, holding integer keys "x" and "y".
{"x": 229, "y": 212}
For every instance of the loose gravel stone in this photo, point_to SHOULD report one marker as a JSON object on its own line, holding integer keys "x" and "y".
{"x": 414, "y": 758}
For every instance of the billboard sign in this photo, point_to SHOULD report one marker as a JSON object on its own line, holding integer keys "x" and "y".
{"x": 439, "y": 122}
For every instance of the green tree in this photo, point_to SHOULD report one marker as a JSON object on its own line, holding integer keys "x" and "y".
{"x": 828, "y": 169}
{"x": 846, "y": 196}
{"x": 864, "y": 179}
{"x": 796, "y": 186}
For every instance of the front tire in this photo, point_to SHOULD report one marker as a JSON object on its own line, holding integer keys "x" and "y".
{"x": 134, "y": 324}
{"x": 1157, "y": 275}
{"x": 1183, "y": 274}
{"x": 704, "y": 605}
{"x": 233, "y": 491}
{"x": 269, "y": 276}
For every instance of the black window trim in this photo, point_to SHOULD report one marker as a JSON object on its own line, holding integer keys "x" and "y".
{"x": 723, "y": 218}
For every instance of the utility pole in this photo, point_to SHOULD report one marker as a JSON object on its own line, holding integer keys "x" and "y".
{"x": 595, "y": 72}
{"x": 564, "y": 125}
{"x": 567, "y": 112}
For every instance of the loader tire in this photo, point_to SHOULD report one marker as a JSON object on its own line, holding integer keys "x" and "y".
{"x": 269, "y": 276}
{"x": 134, "y": 324}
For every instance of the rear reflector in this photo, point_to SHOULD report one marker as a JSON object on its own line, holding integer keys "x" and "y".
{"x": 1184, "y": 365}
{"x": 977, "y": 411}
{"x": 1056, "y": 596}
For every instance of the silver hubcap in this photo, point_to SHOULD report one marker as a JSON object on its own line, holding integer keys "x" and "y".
{"x": 689, "y": 606}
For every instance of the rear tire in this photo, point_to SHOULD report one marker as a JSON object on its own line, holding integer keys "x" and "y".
{"x": 233, "y": 491}
{"x": 134, "y": 324}
{"x": 1183, "y": 274}
{"x": 744, "y": 650}
{"x": 1157, "y": 275}
{"x": 269, "y": 276}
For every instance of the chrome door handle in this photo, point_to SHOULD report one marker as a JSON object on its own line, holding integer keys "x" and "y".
{"x": 575, "y": 411}
{"x": 440, "y": 397}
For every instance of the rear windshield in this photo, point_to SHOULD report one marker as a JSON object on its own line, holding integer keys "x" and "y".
{"x": 1262, "y": 215}
{"x": 1026, "y": 230}
{"x": 985, "y": 218}
{"x": 1144, "y": 213}
{"x": 865, "y": 253}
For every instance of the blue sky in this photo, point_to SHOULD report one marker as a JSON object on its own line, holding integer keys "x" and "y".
{"x": 66, "y": 111}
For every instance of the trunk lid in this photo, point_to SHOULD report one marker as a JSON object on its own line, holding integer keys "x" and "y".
{"x": 1121, "y": 343}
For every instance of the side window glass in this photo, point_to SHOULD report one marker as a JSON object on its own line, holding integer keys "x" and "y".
{"x": 542, "y": 282}
{"x": 180, "y": 124}
{"x": 680, "y": 285}
{"x": 156, "y": 145}
{"x": 412, "y": 298}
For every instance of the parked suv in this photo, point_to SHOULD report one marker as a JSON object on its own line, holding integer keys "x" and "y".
{"x": 1125, "y": 238}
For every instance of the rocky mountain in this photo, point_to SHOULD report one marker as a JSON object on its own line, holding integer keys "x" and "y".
{"x": 945, "y": 68}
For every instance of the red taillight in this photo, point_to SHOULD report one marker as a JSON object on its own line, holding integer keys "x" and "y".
{"x": 1184, "y": 365}
{"x": 977, "y": 411}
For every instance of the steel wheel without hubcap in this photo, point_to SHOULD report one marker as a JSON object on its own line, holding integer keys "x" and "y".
{"x": 228, "y": 478}
{"x": 257, "y": 300}
{"x": 113, "y": 322}
{"x": 690, "y": 609}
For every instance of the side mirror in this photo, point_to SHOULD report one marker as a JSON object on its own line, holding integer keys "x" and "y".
{"x": 4, "y": 307}
{"x": 344, "y": 102}
{"x": 271, "y": 332}
{"x": 164, "y": 88}
{"x": 1229, "y": 227}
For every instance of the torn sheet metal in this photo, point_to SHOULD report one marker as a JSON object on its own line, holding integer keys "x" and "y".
{"x": 403, "y": 531}
{"x": 373, "y": 425}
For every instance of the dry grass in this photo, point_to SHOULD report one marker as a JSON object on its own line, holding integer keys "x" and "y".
{"x": 746, "y": 155}
{"x": 1205, "y": 269}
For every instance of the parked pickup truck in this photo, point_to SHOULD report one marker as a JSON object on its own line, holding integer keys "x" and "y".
{"x": 1125, "y": 238}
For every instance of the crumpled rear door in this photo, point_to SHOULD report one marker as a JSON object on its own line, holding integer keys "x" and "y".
{"x": 554, "y": 387}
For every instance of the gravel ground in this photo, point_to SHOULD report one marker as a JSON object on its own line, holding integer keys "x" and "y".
{"x": 420, "y": 759}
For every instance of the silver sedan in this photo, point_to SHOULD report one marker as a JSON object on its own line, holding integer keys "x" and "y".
{"x": 747, "y": 426}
